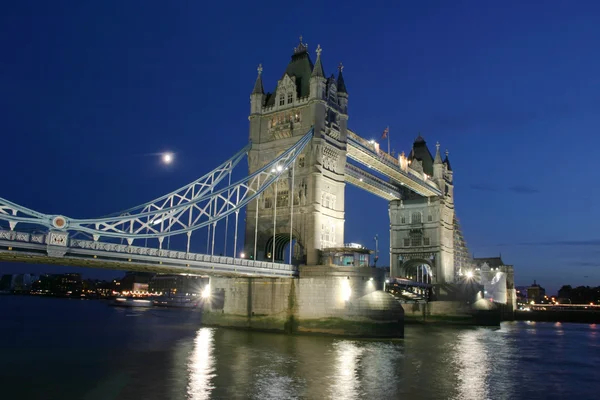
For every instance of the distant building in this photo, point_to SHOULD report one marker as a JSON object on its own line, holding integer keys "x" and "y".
{"x": 177, "y": 284}
{"x": 535, "y": 293}
{"x": 135, "y": 282}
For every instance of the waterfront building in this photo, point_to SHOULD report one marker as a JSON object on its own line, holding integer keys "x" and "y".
{"x": 536, "y": 293}
{"x": 177, "y": 284}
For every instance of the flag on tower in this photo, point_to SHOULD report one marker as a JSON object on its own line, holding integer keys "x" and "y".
{"x": 385, "y": 133}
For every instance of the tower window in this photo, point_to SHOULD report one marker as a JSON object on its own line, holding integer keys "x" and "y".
{"x": 403, "y": 220}
{"x": 415, "y": 241}
{"x": 429, "y": 218}
{"x": 301, "y": 161}
{"x": 406, "y": 242}
{"x": 282, "y": 198}
{"x": 290, "y": 98}
{"x": 281, "y": 100}
{"x": 426, "y": 241}
{"x": 416, "y": 218}
{"x": 268, "y": 202}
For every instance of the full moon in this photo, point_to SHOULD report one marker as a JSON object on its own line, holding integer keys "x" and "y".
{"x": 167, "y": 158}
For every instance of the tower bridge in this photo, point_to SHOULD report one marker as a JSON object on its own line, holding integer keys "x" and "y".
{"x": 300, "y": 156}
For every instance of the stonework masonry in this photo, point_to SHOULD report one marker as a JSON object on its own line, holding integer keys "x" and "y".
{"x": 324, "y": 300}
{"x": 303, "y": 99}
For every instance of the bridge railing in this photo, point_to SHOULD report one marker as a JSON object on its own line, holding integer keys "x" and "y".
{"x": 16, "y": 236}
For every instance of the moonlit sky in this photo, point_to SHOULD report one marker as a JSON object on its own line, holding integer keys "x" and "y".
{"x": 93, "y": 92}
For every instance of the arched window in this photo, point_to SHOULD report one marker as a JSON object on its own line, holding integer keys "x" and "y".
{"x": 416, "y": 218}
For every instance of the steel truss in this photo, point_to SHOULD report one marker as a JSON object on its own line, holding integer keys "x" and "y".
{"x": 194, "y": 206}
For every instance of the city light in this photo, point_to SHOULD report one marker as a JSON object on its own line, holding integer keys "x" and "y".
{"x": 279, "y": 168}
{"x": 242, "y": 255}
{"x": 469, "y": 274}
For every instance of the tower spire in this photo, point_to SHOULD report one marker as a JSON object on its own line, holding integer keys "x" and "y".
{"x": 447, "y": 161}
{"x": 318, "y": 69}
{"x": 341, "y": 85}
{"x": 438, "y": 157}
{"x": 258, "y": 85}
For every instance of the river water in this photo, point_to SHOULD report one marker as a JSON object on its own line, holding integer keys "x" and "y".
{"x": 85, "y": 350}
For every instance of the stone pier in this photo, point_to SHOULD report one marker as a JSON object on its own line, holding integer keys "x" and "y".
{"x": 346, "y": 301}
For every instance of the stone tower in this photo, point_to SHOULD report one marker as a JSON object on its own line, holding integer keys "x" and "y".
{"x": 303, "y": 98}
{"x": 421, "y": 228}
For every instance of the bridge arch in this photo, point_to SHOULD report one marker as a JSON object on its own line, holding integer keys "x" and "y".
{"x": 419, "y": 270}
{"x": 283, "y": 247}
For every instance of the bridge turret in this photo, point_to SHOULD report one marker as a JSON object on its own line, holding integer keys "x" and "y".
{"x": 342, "y": 92}
{"x": 448, "y": 178}
{"x": 317, "y": 79}
{"x": 258, "y": 94}
{"x": 438, "y": 167}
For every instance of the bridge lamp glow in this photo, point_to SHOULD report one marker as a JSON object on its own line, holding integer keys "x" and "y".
{"x": 206, "y": 292}
{"x": 242, "y": 255}
{"x": 346, "y": 290}
{"x": 279, "y": 168}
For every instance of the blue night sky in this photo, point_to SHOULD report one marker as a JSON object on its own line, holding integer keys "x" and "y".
{"x": 89, "y": 90}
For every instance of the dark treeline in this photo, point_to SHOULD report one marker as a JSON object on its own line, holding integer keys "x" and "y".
{"x": 579, "y": 294}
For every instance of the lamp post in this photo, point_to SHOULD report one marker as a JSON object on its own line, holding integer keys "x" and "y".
{"x": 376, "y": 250}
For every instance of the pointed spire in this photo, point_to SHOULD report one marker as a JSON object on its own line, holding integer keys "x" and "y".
{"x": 258, "y": 85}
{"x": 438, "y": 157}
{"x": 341, "y": 86}
{"x": 447, "y": 161}
{"x": 318, "y": 69}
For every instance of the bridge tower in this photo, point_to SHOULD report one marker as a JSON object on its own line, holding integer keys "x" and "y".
{"x": 304, "y": 98}
{"x": 422, "y": 229}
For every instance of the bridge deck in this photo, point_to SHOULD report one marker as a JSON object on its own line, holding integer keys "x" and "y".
{"x": 372, "y": 184}
{"x": 364, "y": 152}
{"x": 24, "y": 247}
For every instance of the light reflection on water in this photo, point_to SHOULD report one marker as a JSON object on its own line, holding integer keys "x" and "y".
{"x": 167, "y": 356}
{"x": 201, "y": 366}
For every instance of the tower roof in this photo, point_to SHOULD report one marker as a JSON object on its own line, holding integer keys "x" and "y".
{"x": 341, "y": 85}
{"x": 258, "y": 85}
{"x": 421, "y": 152}
{"x": 301, "y": 68}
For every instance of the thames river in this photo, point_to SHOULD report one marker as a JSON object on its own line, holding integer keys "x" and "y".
{"x": 85, "y": 350}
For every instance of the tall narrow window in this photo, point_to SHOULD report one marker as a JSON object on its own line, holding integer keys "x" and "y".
{"x": 268, "y": 202}
{"x": 403, "y": 221}
{"x": 426, "y": 241}
{"x": 281, "y": 100}
{"x": 416, "y": 218}
{"x": 429, "y": 218}
{"x": 406, "y": 242}
{"x": 290, "y": 98}
{"x": 283, "y": 198}
{"x": 301, "y": 161}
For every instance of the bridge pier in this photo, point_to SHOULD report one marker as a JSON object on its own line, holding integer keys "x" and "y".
{"x": 323, "y": 300}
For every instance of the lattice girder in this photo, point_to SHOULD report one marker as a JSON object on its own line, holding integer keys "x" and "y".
{"x": 167, "y": 216}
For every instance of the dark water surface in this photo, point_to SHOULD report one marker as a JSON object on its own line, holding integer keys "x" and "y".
{"x": 86, "y": 350}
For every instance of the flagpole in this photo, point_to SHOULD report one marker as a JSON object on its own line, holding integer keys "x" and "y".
{"x": 388, "y": 135}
